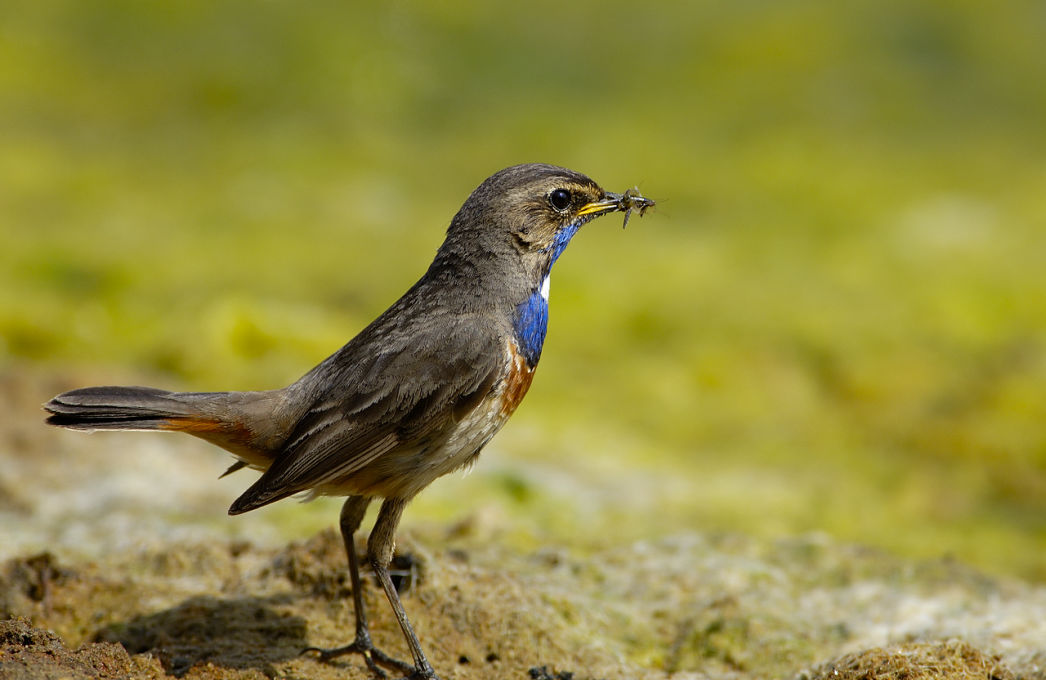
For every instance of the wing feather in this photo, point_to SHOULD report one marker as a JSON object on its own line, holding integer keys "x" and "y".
{"x": 400, "y": 393}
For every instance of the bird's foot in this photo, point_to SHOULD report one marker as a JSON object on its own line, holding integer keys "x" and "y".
{"x": 422, "y": 674}
{"x": 373, "y": 657}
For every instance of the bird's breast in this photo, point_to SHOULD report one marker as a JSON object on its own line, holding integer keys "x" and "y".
{"x": 517, "y": 381}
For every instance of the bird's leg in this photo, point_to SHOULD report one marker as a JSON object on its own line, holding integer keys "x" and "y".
{"x": 351, "y": 516}
{"x": 379, "y": 550}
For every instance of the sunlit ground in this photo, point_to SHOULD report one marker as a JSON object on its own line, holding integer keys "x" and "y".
{"x": 835, "y": 320}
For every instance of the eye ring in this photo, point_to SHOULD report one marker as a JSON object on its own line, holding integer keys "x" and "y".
{"x": 560, "y": 200}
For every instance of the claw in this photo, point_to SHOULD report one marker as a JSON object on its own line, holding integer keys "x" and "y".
{"x": 372, "y": 656}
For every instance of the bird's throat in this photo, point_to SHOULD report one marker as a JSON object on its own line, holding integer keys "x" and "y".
{"x": 531, "y": 323}
{"x": 531, "y": 320}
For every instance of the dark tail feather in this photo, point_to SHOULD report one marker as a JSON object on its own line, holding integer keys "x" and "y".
{"x": 247, "y": 424}
{"x": 120, "y": 408}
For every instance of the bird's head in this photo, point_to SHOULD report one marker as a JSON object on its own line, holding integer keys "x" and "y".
{"x": 532, "y": 211}
{"x": 501, "y": 245}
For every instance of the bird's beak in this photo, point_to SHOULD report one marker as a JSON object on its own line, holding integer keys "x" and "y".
{"x": 611, "y": 202}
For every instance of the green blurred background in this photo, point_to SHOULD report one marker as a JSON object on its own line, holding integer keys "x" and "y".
{"x": 835, "y": 319}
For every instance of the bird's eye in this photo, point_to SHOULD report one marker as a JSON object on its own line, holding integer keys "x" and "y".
{"x": 559, "y": 199}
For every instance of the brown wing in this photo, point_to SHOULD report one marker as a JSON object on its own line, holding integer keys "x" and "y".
{"x": 375, "y": 397}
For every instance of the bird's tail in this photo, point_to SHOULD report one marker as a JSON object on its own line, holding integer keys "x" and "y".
{"x": 247, "y": 424}
{"x": 130, "y": 408}
{"x": 250, "y": 425}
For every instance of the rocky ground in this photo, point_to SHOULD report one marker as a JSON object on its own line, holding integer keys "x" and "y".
{"x": 690, "y": 607}
{"x": 112, "y": 571}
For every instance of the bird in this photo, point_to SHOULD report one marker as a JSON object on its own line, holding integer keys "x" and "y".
{"x": 415, "y": 395}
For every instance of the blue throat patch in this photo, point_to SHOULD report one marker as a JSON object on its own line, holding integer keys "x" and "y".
{"x": 530, "y": 325}
{"x": 531, "y": 322}
{"x": 559, "y": 243}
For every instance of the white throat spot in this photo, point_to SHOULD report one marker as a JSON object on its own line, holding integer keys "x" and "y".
{"x": 544, "y": 287}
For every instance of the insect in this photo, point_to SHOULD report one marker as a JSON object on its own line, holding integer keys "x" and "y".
{"x": 633, "y": 200}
